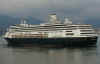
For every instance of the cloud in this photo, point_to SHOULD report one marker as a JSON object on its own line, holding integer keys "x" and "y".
{"x": 70, "y": 7}
{"x": 21, "y": 6}
{"x": 79, "y": 10}
{"x": 6, "y": 4}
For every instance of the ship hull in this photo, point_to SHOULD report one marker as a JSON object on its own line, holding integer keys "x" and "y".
{"x": 69, "y": 41}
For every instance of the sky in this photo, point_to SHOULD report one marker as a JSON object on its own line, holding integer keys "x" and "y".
{"x": 81, "y": 11}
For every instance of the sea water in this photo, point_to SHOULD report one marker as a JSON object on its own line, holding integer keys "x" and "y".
{"x": 39, "y": 55}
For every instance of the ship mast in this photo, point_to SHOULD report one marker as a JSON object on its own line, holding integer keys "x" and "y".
{"x": 23, "y": 22}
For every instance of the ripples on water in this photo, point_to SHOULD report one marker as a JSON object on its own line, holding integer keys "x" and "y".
{"x": 36, "y": 55}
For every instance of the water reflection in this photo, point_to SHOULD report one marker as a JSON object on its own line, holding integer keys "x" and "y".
{"x": 36, "y": 55}
{"x": 48, "y": 56}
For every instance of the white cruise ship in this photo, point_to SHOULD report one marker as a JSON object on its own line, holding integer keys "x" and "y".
{"x": 54, "y": 32}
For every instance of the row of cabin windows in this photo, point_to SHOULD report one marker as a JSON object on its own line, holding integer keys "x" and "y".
{"x": 38, "y": 30}
{"x": 53, "y": 27}
{"x": 68, "y": 31}
{"x": 87, "y": 33}
{"x": 85, "y": 30}
{"x": 80, "y": 26}
{"x": 80, "y": 33}
{"x": 65, "y": 25}
{"x": 70, "y": 34}
{"x": 41, "y": 30}
{"x": 56, "y": 25}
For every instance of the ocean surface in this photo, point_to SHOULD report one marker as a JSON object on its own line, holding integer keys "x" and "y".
{"x": 37, "y": 55}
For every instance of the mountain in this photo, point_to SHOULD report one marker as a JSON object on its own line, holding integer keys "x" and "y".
{"x": 6, "y": 21}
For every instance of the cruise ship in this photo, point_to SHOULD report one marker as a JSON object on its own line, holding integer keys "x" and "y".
{"x": 54, "y": 32}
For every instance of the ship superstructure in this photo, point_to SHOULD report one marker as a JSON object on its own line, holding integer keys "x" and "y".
{"x": 53, "y": 30}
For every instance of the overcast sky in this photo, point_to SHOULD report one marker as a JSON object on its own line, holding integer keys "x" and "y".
{"x": 79, "y": 10}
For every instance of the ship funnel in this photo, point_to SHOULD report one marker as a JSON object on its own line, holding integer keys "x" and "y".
{"x": 53, "y": 18}
{"x": 67, "y": 21}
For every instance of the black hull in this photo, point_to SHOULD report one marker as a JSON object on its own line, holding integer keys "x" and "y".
{"x": 70, "y": 41}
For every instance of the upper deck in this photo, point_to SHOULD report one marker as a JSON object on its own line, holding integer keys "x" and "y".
{"x": 54, "y": 28}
